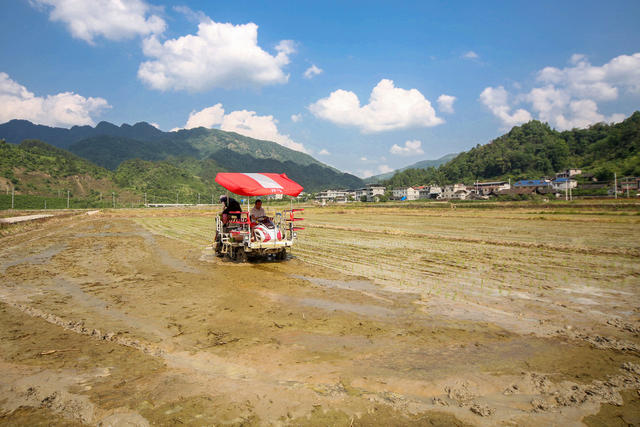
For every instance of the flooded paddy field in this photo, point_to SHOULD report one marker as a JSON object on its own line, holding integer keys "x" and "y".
{"x": 387, "y": 315}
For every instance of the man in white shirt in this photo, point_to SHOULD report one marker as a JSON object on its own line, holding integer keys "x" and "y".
{"x": 257, "y": 211}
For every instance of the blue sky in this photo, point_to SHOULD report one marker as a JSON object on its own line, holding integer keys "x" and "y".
{"x": 387, "y": 83}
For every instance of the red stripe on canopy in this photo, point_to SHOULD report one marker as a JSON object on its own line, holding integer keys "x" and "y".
{"x": 258, "y": 184}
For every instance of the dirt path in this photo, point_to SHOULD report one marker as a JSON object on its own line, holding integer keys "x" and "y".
{"x": 105, "y": 321}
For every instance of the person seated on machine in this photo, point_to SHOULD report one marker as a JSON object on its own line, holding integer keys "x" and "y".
{"x": 230, "y": 205}
{"x": 257, "y": 212}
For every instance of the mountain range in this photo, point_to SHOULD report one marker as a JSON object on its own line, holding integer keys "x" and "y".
{"x": 111, "y": 146}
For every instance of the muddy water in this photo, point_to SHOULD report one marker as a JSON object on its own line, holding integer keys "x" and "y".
{"x": 109, "y": 322}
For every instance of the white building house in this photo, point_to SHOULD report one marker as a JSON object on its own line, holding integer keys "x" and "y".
{"x": 430, "y": 192}
{"x": 337, "y": 196}
{"x": 275, "y": 196}
{"x": 408, "y": 193}
{"x": 360, "y": 193}
{"x": 455, "y": 191}
{"x": 568, "y": 173}
{"x": 563, "y": 184}
{"x": 374, "y": 192}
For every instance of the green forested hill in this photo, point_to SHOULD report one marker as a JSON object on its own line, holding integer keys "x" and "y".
{"x": 534, "y": 150}
{"x": 33, "y": 167}
{"x": 110, "y": 151}
{"x": 39, "y": 169}
{"x": 162, "y": 180}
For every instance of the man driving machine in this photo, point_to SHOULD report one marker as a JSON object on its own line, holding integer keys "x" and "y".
{"x": 257, "y": 211}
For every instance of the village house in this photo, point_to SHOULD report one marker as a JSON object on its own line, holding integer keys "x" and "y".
{"x": 491, "y": 187}
{"x": 533, "y": 183}
{"x": 455, "y": 191}
{"x": 568, "y": 173}
{"x": 629, "y": 184}
{"x": 337, "y": 196}
{"x": 430, "y": 192}
{"x": 563, "y": 184}
{"x": 405, "y": 193}
{"x": 360, "y": 193}
{"x": 374, "y": 192}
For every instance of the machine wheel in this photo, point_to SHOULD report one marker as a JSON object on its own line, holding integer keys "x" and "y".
{"x": 241, "y": 255}
{"x": 217, "y": 247}
{"x": 282, "y": 255}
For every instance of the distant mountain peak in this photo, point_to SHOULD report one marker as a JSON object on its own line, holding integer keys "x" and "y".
{"x": 144, "y": 125}
{"x": 105, "y": 125}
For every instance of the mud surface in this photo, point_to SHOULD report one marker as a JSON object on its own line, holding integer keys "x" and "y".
{"x": 128, "y": 318}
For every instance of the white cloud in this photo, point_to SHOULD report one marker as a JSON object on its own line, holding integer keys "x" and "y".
{"x": 364, "y": 173}
{"x": 601, "y": 83}
{"x": 312, "y": 71}
{"x": 111, "y": 19}
{"x": 410, "y": 148}
{"x": 363, "y": 159}
{"x": 389, "y": 108}
{"x": 577, "y": 57}
{"x": 385, "y": 169}
{"x": 296, "y": 118}
{"x": 470, "y": 55}
{"x": 569, "y": 96}
{"x": 244, "y": 122}
{"x": 583, "y": 113}
{"x": 207, "y": 117}
{"x": 190, "y": 14}
{"x": 62, "y": 109}
{"x": 445, "y": 103}
{"x": 324, "y": 152}
{"x": 155, "y": 125}
{"x": 219, "y": 55}
{"x": 250, "y": 124}
{"x": 495, "y": 98}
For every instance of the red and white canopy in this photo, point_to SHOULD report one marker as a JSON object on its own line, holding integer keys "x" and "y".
{"x": 258, "y": 184}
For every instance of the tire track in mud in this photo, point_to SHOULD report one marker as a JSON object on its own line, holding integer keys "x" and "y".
{"x": 464, "y": 399}
{"x": 630, "y": 252}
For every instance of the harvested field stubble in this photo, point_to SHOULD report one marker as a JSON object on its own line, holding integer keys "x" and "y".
{"x": 386, "y": 314}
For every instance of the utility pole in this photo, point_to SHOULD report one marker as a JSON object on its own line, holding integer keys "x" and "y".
{"x": 570, "y": 195}
{"x": 211, "y": 198}
{"x": 45, "y": 204}
{"x": 615, "y": 184}
{"x": 176, "y": 197}
{"x": 113, "y": 199}
{"x": 566, "y": 191}
{"x": 67, "y": 199}
{"x": 627, "y": 187}
{"x": 198, "y": 198}
{"x": 13, "y": 191}
{"x": 145, "y": 199}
